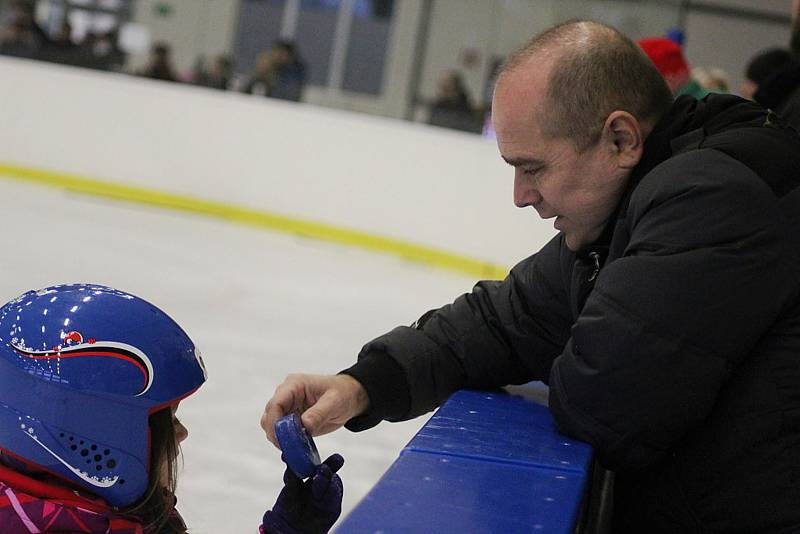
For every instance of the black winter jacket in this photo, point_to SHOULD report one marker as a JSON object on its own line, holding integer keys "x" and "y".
{"x": 781, "y": 93}
{"x": 672, "y": 344}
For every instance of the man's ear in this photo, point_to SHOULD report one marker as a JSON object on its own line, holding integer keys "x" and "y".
{"x": 625, "y": 137}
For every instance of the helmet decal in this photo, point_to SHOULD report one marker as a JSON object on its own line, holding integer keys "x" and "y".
{"x": 94, "y": 348}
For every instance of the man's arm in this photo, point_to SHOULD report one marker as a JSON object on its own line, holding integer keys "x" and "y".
{"x": 503, "y": 332}
{"x": 704, "y": 276}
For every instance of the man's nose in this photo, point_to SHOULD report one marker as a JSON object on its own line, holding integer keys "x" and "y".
{"x": 525, "y": 194}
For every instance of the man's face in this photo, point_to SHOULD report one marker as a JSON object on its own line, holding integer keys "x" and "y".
{"x": 580, "y": 190}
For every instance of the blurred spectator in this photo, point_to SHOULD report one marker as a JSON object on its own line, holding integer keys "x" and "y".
{"x": 288, "y": 71}
{"x": 16, "y": 41}
{"x": 773, "y": 76}
{"x": 23, "y": 12}
{"x": 61, "y": 48}
{"x": 713, "y": 80}
{"x": 670, "y": 62}
{"x": 20, "y": 35}
{"x": 761, "y": 67}
{"x": 160, "y": 66}
{"x": 104, "y": 51}
{"x": 280, "y": 73}
{"x": 218, "y": 76}
{"x": 260, "y": 83}
{"x": 452, "y": 107}
{"x": 63, "y": 37}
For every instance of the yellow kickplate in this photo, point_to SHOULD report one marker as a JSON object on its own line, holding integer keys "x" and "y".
{"x": 256, "y": 218}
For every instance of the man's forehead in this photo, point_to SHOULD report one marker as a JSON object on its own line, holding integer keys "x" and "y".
{"x": 523, "y": 87}
{"x": 516, "y": 108}
{"x": 532, "y": 68}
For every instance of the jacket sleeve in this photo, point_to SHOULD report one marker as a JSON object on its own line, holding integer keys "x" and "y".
{"x": 703, "y": 277}
{"x": 502, "y": 332}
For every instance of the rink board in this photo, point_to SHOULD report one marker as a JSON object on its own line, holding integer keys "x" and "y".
{"x": 486, "y": 462}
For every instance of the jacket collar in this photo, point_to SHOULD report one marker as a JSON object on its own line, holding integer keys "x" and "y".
{"x": 684, "y": 126}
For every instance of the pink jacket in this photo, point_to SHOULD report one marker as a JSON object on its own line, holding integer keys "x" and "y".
{"x": 29, "y": 506}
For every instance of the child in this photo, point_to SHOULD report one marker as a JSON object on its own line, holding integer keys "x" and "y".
{"x": 90, "y": 380}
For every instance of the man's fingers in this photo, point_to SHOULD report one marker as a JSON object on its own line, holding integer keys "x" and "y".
{"x": 270, "y": 433}
{"x": 324, "y": 403}
{"x": 272, "y": 413}
{"x": 283, "y": 401}
{"x": 312, "y": 419}
{"x": 321, "y": 418}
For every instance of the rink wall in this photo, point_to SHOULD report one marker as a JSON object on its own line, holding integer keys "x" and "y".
{"x": 420, "y": 192}
{"x": 500, "y": 462}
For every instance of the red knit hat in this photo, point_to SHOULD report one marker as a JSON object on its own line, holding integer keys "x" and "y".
{"x": 665, "y": 54}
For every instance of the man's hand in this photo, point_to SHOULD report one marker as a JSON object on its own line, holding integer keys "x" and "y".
{"x": 325, "y": 403}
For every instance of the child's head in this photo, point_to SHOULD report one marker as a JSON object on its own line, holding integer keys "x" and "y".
{"x": 90, "y": 378}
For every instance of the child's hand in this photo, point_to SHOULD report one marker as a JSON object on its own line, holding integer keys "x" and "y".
{"x": 307, "y": 507}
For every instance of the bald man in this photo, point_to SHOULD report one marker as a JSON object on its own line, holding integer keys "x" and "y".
{"x": 665, "y": 315}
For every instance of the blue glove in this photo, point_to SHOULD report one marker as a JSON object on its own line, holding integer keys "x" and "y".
{"x": 307, "y": 507}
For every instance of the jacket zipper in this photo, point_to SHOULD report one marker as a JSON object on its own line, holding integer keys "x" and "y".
{"x": 596, "y": 259}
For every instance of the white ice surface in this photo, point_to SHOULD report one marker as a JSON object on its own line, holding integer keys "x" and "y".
{"x": 259, "y": 304}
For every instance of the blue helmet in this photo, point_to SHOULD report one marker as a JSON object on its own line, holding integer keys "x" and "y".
{"x": 82, "y": 367}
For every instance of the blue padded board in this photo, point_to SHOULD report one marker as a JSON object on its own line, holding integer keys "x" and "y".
{"x": 423, "y": 492}
{"x": 485, "y": 462}
{"x": 500, "y": 427}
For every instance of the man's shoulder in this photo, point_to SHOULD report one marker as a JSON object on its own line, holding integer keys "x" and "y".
{"x": 701, "y": 180}
{"x": 708, "y": 167}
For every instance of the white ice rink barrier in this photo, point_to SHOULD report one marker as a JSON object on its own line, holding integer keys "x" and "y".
{"x": 441, "y": 189}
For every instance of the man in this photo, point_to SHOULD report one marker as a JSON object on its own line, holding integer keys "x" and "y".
{"x": 452, "y": 108}
{"x": 288, "y": 72}
{"x": 160, "y": 66}
{"x": 665, "y": 315}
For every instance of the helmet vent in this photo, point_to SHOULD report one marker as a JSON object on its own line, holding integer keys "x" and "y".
{"x": 90, "y": 452}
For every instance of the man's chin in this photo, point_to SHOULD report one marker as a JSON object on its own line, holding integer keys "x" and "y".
{"x": 573, "y": 242}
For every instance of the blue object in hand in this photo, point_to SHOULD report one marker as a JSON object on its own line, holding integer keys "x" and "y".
{"x": 308, "y": 507}
{"x": 299, "y": 451}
